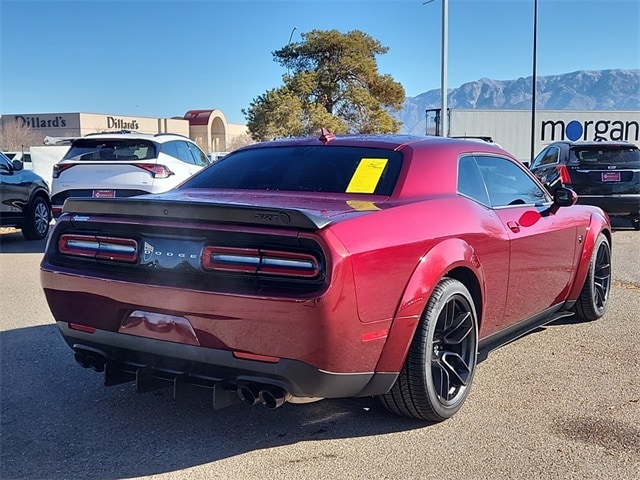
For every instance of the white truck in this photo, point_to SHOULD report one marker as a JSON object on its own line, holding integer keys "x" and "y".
{"x": 511, "y": 129}
{"x": 44, "y": 157}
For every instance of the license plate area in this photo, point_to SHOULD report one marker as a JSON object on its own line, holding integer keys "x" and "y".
{"x": 610, "y": 176}
{"x": 104, "y": 194}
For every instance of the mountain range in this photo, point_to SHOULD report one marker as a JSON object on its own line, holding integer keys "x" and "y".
{"x": 582, "y": 90}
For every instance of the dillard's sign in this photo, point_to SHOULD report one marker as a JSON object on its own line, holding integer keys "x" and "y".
{"x": 59, "y": 121}
{"x": 37, "y": 122}
{"x": 113, "y": 122}
{"x": 590, "y": 130}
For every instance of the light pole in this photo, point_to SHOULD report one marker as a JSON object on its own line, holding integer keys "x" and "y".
{"x": 534, "y": 80}
{"x": 288, "y": 44}
{"x": 443, "y": 72}
{"x": 444, "y": 117}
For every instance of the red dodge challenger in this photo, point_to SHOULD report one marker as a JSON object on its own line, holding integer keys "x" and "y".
{"x": 300, "y": 269}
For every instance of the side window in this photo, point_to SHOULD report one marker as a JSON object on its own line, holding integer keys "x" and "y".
{"x": 184, "y": 153}
{"x": 470, "y": 182}
{"x": 170, "y": 149}
{"x": 199, "y": 157}
{"x": 508, "y": 184}
{"x": 548, "y": 156}
{"x": 5, "y": 164}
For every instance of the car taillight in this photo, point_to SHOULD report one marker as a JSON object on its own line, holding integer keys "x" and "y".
{"x": 59, "y": 168}
{"x": 563, "y": 171}
{"x": 99, "y": 248}
{"x": 258, "y": 261}
{"x": 158, "y": 171}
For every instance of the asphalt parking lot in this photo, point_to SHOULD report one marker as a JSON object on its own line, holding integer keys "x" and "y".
{"x": 562, "y": 402}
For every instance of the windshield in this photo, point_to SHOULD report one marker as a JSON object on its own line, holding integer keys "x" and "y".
{"x": 606, "y": 155}
{"x": 334, "y": 169}
{"x": 94, "y": 149}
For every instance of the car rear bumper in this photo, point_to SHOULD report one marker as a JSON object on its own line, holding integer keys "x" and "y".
{"x": 302, "y": 343}
{"x": 613, "y": 204}
{"x": 132, "y": 358}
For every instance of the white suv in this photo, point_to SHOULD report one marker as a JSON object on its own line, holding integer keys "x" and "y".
{"x": 124, "y": 164}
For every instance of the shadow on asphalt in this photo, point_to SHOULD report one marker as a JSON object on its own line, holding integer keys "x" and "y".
{"x": 14, "y": 242}
{"x": 59, "y": 421}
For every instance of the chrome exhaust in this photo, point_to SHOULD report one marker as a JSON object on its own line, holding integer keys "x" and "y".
{"x": 249, "y": 394}
{"x": 274, "y": 397}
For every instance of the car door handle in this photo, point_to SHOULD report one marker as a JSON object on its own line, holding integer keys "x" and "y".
{"x": 514, "y": 226}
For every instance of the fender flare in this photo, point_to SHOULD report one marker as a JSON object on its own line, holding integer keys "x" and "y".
{"x": 598, "y": 223}
{"x": 435, "y": 264}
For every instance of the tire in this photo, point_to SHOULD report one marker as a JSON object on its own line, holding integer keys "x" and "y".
{"x": 436, "y": 377}
{"x": 592, "y": 303}
{"x": 36, "y": 226}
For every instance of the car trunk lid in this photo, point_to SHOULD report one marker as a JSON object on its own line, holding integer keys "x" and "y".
{"x": 283, "y": 209}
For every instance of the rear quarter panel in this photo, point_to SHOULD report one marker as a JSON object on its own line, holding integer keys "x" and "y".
{"x": 398, "y": 255}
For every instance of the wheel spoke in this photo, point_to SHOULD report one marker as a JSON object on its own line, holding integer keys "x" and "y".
{"x": 457, "y": 368}
{"x": 441, "y": 380}
{"x": 450, "y": 373}
{"x": 459, "y": 329}
{"x": 601, "y": 289}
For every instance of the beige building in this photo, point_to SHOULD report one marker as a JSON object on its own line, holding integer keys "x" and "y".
{"x": 209, "y": 128}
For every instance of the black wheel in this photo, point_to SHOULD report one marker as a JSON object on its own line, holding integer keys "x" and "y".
{"x": 594, "y": 296}
{"x": 36, "y": 225}
{"x": 635, "y": 222}
{"x": 437, "y": 374}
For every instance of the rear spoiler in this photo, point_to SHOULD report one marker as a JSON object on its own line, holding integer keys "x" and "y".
{"x": 185, "y": 210}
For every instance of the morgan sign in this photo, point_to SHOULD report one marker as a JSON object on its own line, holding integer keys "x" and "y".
{"x": 590, "y": 130}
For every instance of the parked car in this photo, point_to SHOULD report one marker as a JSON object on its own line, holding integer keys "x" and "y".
{"x": 25, "y": 157}
{"x": 215, "y": 156}
{"x": 327, "y": 267}
{"x": 124, "y": 164}
{"x": 24, "y": 199}
{"x": 605, "y": 174}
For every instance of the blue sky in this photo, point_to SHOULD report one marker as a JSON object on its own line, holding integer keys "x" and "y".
{"x": 160, "y": 58}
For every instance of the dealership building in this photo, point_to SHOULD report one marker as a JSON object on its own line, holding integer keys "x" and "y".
{"x": 509, "y": 128}
{"x": 208, "y": 128}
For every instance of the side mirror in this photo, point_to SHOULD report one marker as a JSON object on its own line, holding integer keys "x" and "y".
{"x": 17, "y": 165}
{"x": 562, "y": 197}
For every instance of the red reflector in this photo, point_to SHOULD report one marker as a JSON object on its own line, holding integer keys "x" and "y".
{"x": 82, "y": 328}
{"x": 369, "y": 336}
{"x": 254, "y": 356}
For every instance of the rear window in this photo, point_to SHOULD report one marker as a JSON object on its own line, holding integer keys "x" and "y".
{"x": 96, "y": 150}
{"x": 333, "y": 169}
{"x": 606, "y": 155}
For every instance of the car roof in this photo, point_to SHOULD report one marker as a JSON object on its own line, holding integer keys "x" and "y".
{"x": 131, "y": 135}
{"x": 595, "y": 144}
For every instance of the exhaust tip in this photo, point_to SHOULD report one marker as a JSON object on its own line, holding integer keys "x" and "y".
{"x": 274, "y": 397}
{"x": 89, "y": 359}
{"x": 248, "y": 395}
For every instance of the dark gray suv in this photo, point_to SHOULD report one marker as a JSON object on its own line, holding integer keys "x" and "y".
{"x": 604, "y": 174}
{"x": 24, "y": 199}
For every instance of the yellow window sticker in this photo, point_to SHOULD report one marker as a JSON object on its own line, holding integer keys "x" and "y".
{"x": 367, "y": 175}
